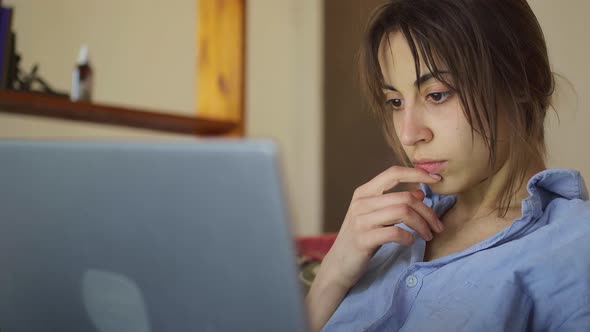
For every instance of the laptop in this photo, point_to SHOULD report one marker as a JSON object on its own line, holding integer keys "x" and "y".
{"x": 109, "y": 236}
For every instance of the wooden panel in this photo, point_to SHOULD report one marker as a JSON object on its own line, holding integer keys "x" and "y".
{"x": 345, "y": 105}
{"x": 220, "y": 69}
{"x": 63, "y": 108}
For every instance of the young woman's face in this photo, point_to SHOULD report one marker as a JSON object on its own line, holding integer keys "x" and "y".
{"x": 429, "y": 122}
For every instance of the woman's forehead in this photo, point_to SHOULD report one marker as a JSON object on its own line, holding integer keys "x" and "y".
{"x": 397, "y": 62}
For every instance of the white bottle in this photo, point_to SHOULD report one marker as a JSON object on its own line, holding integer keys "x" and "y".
{"x": 82, "y": 77}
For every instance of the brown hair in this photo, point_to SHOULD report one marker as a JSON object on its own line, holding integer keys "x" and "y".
{"x": 496, "y": 55}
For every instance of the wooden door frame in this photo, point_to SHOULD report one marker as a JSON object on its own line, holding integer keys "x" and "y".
{"x": 221, "y": 61}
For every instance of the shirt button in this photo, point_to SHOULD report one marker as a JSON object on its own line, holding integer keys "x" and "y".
{"x": 411, "y": 281}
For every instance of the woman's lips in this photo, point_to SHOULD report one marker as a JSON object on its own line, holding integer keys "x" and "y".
{"x": 432, "y": 167}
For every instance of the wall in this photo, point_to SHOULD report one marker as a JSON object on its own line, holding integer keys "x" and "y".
{"x": 565, "y": 25}
{"x": 143, "y": 51}
{"x": 284, "y": 96}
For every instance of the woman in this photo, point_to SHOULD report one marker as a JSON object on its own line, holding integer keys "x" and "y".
{"x": 492, "y": 241}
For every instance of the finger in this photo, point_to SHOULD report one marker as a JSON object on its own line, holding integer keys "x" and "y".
{"x": 419, "y": 194}
{"x": 426, "y": 212}
{"x": 370, "y": 204}
{"x": 383, "y": 235}
{"x": 393, "y": 215}
{"x": 393, "y": 176}
{"x": 414, "y": 199}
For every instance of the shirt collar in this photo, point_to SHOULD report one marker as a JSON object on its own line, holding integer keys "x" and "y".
{"x": 542, "y": 187}
{"x": 565, "y": 183}
{"x": 549, "y": 184}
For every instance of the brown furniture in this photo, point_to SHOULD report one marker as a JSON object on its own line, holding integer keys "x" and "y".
{"x": 57, "y": 107}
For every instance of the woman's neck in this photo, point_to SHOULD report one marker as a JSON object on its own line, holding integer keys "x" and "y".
{"x": 482, "y": 199}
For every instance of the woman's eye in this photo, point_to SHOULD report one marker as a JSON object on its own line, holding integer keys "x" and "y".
{"x": 438, "y": 97}
{"x": 395, "y": 103}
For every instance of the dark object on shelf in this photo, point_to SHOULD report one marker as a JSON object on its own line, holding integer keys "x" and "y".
{"x": 6, "y": 52}
{"x": 28, "y": 82}
{"x": 12, "y": 70}
{"x": 12, "y": 77}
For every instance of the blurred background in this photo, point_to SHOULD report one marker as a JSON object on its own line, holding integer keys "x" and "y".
{"x": 300, "y": 84}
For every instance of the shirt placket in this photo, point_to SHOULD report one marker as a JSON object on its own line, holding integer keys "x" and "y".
{"x": 406, "y": 291}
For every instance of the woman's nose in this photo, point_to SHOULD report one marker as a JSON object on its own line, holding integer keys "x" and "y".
{"x": 413, "y": 129}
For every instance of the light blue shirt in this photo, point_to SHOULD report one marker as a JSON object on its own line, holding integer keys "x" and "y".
{"x": 534, "y": 275}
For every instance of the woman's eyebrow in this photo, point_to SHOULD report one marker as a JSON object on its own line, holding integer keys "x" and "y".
{"x": 423, "y": 79}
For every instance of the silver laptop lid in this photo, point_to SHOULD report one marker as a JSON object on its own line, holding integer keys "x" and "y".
{"x": 174, "y": 236}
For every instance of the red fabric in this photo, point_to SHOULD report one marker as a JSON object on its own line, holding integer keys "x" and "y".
{"x": 315, "y": 247}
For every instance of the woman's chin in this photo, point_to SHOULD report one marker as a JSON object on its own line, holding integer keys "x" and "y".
{"x": 445, "y": 187}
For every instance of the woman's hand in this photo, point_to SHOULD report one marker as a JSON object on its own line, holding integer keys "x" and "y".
{"x": 371, "y": 219}
{"x": 369, "y": 223}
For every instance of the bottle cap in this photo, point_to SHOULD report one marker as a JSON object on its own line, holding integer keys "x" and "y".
{"x": 83, "y": 55}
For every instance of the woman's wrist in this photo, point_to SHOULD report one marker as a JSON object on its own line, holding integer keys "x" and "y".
{"x": 322, "y": 300}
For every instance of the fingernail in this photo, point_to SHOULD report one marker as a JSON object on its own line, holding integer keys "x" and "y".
{"x": 435, "y": 176}
{"x": 430, "y": 237}
{"x": 440, "y": 226}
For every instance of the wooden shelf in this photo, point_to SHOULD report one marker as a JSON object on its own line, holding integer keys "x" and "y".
{"x": 57, "y": 107}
